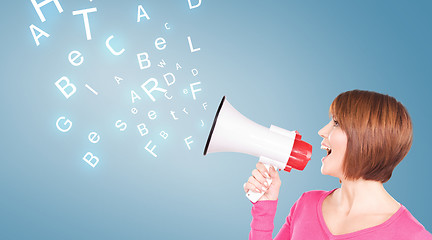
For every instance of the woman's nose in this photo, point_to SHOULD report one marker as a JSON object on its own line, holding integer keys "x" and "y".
{"x": 322, "y": 132}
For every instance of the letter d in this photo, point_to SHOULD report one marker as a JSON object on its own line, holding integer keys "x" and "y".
{"x": 194, "y": 6}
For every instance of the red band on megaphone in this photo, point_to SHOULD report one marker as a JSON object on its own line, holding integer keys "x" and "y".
{"x": 300, "y": 155}
{"x": 298, "y": 136}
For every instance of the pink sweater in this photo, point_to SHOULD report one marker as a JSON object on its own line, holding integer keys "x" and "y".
{"x": 306, "y": 221}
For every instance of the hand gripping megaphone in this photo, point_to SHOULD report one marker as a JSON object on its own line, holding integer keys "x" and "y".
{"x": 275, "y": 146}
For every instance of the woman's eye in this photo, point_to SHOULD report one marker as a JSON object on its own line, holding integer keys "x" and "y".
{"x": 335, "y": 123}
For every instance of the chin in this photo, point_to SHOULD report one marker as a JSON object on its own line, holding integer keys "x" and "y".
{"x": 324, "y": 171}
{"x": 329, "y": 172}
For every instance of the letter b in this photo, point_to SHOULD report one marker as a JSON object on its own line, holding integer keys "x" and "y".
{"x": 141, "y": 60}
{"x": 65, "y": 86}
{"x": 89, "y": 157}
{"x": 142, "y": 129}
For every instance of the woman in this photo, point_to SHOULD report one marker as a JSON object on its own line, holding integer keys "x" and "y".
{"x": 368, "y": 135}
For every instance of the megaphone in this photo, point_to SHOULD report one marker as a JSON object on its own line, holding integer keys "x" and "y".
{"x": 274, "y": 146}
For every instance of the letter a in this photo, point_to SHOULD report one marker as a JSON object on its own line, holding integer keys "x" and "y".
{"x": 41, "y": 33}
{"x": 134, "y": 96}
{"x": 118, "y": 79}
{"x": 140, "y": 8}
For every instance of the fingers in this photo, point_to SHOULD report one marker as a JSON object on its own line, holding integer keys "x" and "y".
{"x": 256, "y": 185}
{"x": 250, "y": 187}
{"x": 258, "y": 181}
{"x": 259, "y": 176}
{"x": 263, "y": 170}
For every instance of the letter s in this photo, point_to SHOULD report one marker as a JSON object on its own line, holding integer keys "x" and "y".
{"x": 121, "y": 125}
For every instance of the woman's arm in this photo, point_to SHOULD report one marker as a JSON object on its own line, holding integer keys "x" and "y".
{"x": 263, "y": 213}
{"x": 264, "y": 210}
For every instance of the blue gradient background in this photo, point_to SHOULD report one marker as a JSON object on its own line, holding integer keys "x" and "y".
{"x": 278, "y": 62}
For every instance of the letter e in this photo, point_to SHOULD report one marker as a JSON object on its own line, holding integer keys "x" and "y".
{"x": 160, "y": 43}
{"x": 94, "y": 137}
{"x": 74, "y": 55}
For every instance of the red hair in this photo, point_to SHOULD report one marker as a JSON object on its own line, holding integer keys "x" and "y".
{"x": 379, "y": 133}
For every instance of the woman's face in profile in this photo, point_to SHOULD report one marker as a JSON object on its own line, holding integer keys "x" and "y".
{"x": 334, "y": 142}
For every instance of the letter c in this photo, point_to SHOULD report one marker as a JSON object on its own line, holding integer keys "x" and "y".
{"x": 107, "y": 43}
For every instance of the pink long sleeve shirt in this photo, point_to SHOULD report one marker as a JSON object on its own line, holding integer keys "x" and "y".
{"x": 306, "y": 221}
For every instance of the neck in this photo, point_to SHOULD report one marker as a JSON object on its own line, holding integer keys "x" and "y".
{"x": 360, "y": 196}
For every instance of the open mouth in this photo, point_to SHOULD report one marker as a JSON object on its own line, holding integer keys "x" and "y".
{"x": 327, "y": 149}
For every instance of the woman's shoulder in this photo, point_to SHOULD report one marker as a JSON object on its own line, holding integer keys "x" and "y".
{"x": 410, "y": 225}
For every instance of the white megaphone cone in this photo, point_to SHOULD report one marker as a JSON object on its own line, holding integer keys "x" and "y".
{"x": 233, "y": 132}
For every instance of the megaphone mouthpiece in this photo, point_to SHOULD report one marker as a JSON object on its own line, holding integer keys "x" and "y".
{"x": 300, "y": 155}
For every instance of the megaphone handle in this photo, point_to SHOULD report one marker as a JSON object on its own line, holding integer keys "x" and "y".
{"x": 255, "y": 196}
